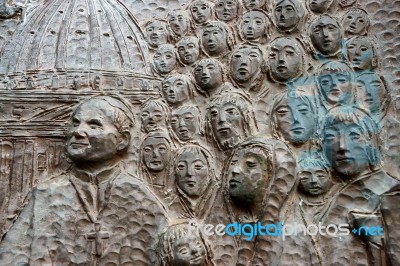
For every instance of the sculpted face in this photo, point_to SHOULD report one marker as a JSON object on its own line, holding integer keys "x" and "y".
{"x": 92, "y": 136}
{"x": 254, "y": 4}
{"x": 214, "y": 41}
{"x": 201, "y": 12}
{"x": 188, "y": 50}
{"x": 370, "y": 91}
{"x": 245, "y": 63}
{"x": 286, "y": 15}
{"x": 355, "y": 23}
{"x": 314, "y": 181}
{"x": 185, "y": 124}
{"x": 336, "y": 87}
{"x": 295, "y": 120}
{"x": 208, "y": 75}
{"x": 285, "y": 59}
{"x": 320, "y": 6}
{"x": 346, "y": 149}
{"x": 326, "y": 36}
{"x": 247, "y": 175}
{"x": 191, "y": 173}
{"x": 153, "y": 117}
{"x": 254, "y": 25}
{"x": 189, "y": 250}
{"x": 178, "y": 21}
{"x": 227, "y": 124}
{"x": 164, "y": 60}
{"x": 156, "y": 33}
{"x": 360, "y": 53}
{"x": 175, "y": 90}
{"x": 226, "y": 10}
{"x": 156, "y": 153}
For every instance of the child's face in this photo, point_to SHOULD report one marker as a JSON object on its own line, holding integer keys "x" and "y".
{"x": 314, "y": 181}
{"x": 189, "y": 251}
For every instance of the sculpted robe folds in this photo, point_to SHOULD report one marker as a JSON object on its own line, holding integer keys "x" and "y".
{"x": 57, "y": 225}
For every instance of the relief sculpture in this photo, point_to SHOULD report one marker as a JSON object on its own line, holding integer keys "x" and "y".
{"x": 200, "y": 132}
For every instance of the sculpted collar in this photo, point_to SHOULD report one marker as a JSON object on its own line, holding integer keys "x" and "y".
{"x": 97, "y": 177}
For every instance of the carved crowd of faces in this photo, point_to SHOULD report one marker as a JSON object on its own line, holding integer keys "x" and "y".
{"x": 218, "y": 60}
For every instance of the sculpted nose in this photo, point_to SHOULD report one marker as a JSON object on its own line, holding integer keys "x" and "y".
{"x": 182, "y": 122}
{"x": 222, "y": 117}
{"x": 190, "y": 171}
{"x": 156, "y": 153}
{"x": 236, "y": 169}
{"x": 79, "y": 131}
{"x": 205, "y": 73}
{"x": 343, "y": 143}
{"x": 325, "y": 32}
{"x": 295, "y": 116}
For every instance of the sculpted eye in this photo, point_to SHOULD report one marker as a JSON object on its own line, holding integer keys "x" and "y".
{"x": 251, "y": 164}
{"x": 147, "y": 149}
{"x": 180, "y": 166}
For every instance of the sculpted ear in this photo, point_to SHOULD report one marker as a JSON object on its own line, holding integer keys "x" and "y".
{"x": 124, "y": 141}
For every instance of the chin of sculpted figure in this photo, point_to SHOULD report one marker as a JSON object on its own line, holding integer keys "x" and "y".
{"x": 157, "y": 33}
{"x": 216, "y": 38}
{"x": 288, "y": 14}
{"x": 356, "y": 22}
{"x": 179, "y": 22}
{"x": 285, "y": 59}
{"x": 155, "y": 115}
{"x": 254, "y": 27}
{"x": 186, "y": 123}
{"x": 164, "y": 59}
{"x": 229, "y": 119}
{"x": 201, "y": 11}
{"x": 245, "y": 65}
{"x": 326, "y": 36}
{"x": 336, "y": 84}
{"x": 188, "y": 50}
{"x": 321, "y": 6}
{"x": 361, "y": 54}
{"x": 254, "y": 4}
{"x": 294, "y": 118}
{"x": 226, "y": 10}
{"x": 180, "y": 246}
{"x": 75, "y": 215}
{"x": 177, "y": 89}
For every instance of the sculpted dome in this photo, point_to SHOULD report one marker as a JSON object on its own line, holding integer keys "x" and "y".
{"x": 58, "y": 35}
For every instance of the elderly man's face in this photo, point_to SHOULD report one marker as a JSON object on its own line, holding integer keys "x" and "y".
{"x": 295, "y": 120}
{"x": 227, "y": 124}
{"x": 245, "y": 63}
{"x": 247, "y": 175}
{"x": 214, "y": 41}
{"x": 253, "y": 25}
{"x": 208, "y": 75}
{"x": 286, "y": 15}
{"x": 286, "y": 59}
{"x": 345, "y": 146}
{"x": 188, "y": 51}
{"x": 201, "y": 12}
{"x": 226, "y": 10}
{"x": 156, "y": 33}
{"x": 326, "y": 36}
{"x": 92, "y": 136}
{"x": 191, "y": 173}
{"x": 360, "y": 54}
